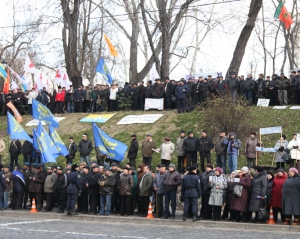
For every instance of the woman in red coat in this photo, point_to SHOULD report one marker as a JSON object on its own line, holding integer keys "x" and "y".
{"x": 276, "y": 198}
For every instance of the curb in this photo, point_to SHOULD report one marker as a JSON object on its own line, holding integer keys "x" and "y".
{"x": 139, "y": 220}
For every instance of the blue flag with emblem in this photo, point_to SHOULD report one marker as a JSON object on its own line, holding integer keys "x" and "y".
{"x": 113, "y": 148}
{"x": 104, "y": 71}
{"x": 41, "y": 112}
{"x": 62, "y": 149}
{"x": 15, "y": 130}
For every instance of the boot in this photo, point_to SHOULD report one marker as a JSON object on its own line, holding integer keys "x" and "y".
{"x": 183, "y": 217}
{"x": 68, "y": 212}
{"x": 287, "y": 221}
{"x": 73, "y": 212}
{"x": 195, "y": 218}
{"x": 295, "y": 222}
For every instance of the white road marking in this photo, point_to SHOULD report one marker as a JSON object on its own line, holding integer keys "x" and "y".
{"x": 27, "y": 222}
{"x": 104, "y": 235}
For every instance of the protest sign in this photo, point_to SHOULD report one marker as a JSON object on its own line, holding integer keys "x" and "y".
{"x": 263, "y": 102}
{"x": 97, "y": 118}
{"x": 295, "y": 108}
{"x": 35, "y": 122}
{"x": 140, "y": 119}
{"x": 279, "y": 107}
{"x": 223, "y": 179}
{"x": 154, "y": 104}
{"x": 265, "y": 150}
{"x": 271, "y": 130}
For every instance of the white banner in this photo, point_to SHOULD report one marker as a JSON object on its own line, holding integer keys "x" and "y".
{"x": 295, "y": 108}
{"x": 279, "y": 107}
{"x": 154, "y": 104}
{"x": 223, "y": 179}
{"x": 271, "y": 130}
{"x": 140, "y": 119}
{"x": 35, "y": 122}
{"x": 265, "y": 150}
{"x": 263, "y": 102}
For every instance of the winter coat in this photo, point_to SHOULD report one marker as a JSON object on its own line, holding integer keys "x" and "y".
{"x": 158, "y": 90}
{"x": 158, "y": 182}
{"x": 61, "y": 182}
{"x": 190, "y": 186}
{"x": 190, "y": 145}
{"x": 125, "y": 184}
{"x": 72, "y": 149}
{"x": 205, "y": 185}
{"x": 180, "y": 94}
{"x": 166, "y": 150}
{"x": 2, "y": 182}
{"x": 169, "y": 89}
{"x": 259, "y": 188}
{"x": 92, "y": 180}
{"x": 2, "y": 146}
{"x": 205, "y": 144}
{"x": 250, "y": 147}
{"x": 295, "y": 153}
{"x": 248, "y": 84}
{"x": 27, "y": 148}
{"x": 134, "y": 93}
{"x": 282, "y": 84}
{"x": 74, "y": 182}
{"x": 291, "y": 195}
{"x": 233, "y": 83}
{"x": 49, "y": 186}
{"x": 146, "y": 185}
{"x": 216, "y": 194}
{"x": 18, "y": 184}
{"x": 276, "y": 199}
{"x": 37, "y": 185}
{"x": 220, "y": 147}
{"x": 60, "y": 96}
{"x": 147, "y": 147}
{"x": 237, "y": 144}
{"x": 15, "y": 148}
{"x": 94, "y": 95}
{"x": 172, "y": 181}
{"x": 85, "y": 147}
{"x": 133, "y": 149}
{"x": 179, "y": 146}
{"x": 220, "y": 86}
{"x": 83, "y": 180}
{"x": 79, "y": 95}
{"x": 279, "y": 154}
{"x": 109, "y": 182}
{"x": 241, "y": 203}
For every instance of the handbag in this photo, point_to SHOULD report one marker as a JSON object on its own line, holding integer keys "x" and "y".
{"x": 263, "y": 213}
{"x": 237, "y": 190}
{"x": 286, "y": 157}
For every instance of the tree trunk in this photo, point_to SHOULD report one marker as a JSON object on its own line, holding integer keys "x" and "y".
{"x": 240, "y": 48}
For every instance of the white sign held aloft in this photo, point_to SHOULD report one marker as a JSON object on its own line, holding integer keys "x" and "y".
{"x": 265, "y": 150}
{"x": 263, "y": 102}
{"x": 154, "y": 104}
{"x": 223, "y": 179}
{"x": 271, "y": 130}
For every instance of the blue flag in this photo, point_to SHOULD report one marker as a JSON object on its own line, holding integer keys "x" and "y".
{"x": 15, "y": 130}
{"x": 40, "y": 144}
{"x": 19, "y": 175}
{"x": 104, "y": 71}
{"x": 58, "y": 142}
{"x": 41, "y": 112}
{"x": 113, "y": 148}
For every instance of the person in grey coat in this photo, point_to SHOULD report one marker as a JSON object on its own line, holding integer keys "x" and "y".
{"x": 221, "y": 149}
{"x": 259, "y": 191}
{"x": 280, "y": 146}
{"x": 180, "y": 152}
{"x": 160, "y": 190}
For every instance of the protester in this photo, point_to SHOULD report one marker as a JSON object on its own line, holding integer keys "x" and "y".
{"x": 233, "y": 146}
{"x": 180, "y": 152}
{"x": 2, "y": 188}
{"x": 19, "y": 185}
{"x": 190, "y": 147}
{"x": 206, "y": 209}
{"x": 294, "y": 147}
{"x": 133, "y": 150}
{"x": 281, "y": 147}
{"x": 74, "y": 187}
{"x": 14, "y": 151}
{"x": 250, "y": 149}
{"x": 166, "y": 149}
{"x": 72, "y": 149}
{"x": 49, "y": 189}
{"x": 160, "y": 190}
{"x": 220, "y": 149}
{"x": 125, "y": 186}
{"x": 61, "y": 189}
{"x": 148, "y": 148}
{"x": 146, "y": 187}
{"x": 85, "y": 147}
{"x": 205, "y": 146}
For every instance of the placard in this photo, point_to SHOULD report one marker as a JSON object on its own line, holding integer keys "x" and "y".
{"x": 35, "y": 122}
{"x": 265, "y": 150}
{"x": 140, "y": 119}
{"x": 263, "y": 102}
{"x": 270, "y": 130}
{"x": 223, "y": 179}
{"x": 279, "y": 107}
{"x": 295, "y": 108}
{"x": 97, "y": 118}
{"x": 154, "y": 104}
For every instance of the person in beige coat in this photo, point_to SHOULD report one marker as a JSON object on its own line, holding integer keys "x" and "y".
{"x": 49, "y": 189}
{"x": 147, "y": 149}
{"x": 2, "y": 148}
{"x": 250, "y": 149}
{"x": 166, "y": 149}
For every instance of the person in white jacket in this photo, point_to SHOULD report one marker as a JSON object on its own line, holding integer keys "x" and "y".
{"x": 294, "y": 147}
{"x": 166, "y": 149}
{"x": 32, "y": 95}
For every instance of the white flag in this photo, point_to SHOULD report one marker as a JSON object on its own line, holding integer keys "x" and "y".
{"x": 17, "y": 76}
{"x": 39, "y": 81}
{"x": 153, "y": 73}
{"x": 13, "y": 85}
{"x": 29, "y": 66}
{"x": 66, "y": 82}
{"x": 59, "y": 76}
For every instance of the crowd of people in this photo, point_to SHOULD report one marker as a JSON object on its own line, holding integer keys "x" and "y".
{"x": 281, "y": 90}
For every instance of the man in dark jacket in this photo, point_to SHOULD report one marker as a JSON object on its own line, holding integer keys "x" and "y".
{"x": 181, "y": 94}
{"x": 282, "y": 85}
{"x": 192, "y": 91}
{"x": 27, "y": 149}
{"x": 133, "y": 150}
{"x": 221, "y": 151}
{"x": 14, "y": 151}
{"x": 205, "y": 146}
{"x": 273, "y": 91}
{"x": 79, "y": 97}
{"x": 2, "y": 187}
{"x": 84, "y": 195}
{"x": 85, "y": 147}
{"x": 26, "y": 173}
{"x": 36, "y": 186}
{"x": 248, "y": 88}
{"x": 146, "y": 189}
{"x": 295, "y": 81}
{"x": 259, "y": 87}
{"x": 159, "y": 189}
{"x": 149, "y": 90}
{"x": 18, "y": 189}
{"x": 93, "y": 189}
{"x": 171, "y": 183}
{"x": 74, "y": 187}
{"x": 190, "y": 146}
{"x": 169, "y": 92}
{"x": 233, "y": 84}
{"x": 61, "y": 189}
{"x": 191, "y": 191}
{"x": 206, "y": 209}
{"x": 142, "y": 94}
{"x": 135, "y": 96}
{"x": 201, "y": 91}
{"x": 158, "y": 89}
{"x": 72, "y": 148}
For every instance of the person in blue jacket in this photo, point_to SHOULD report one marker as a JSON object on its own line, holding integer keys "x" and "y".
{"x": 181, "y": 94}
{"x": 191, "y": 191}
{"x": 233, "y": 146}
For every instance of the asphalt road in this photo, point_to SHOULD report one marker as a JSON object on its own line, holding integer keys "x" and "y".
{"x": 53, "y": 228}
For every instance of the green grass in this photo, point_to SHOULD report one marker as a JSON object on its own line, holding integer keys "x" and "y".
{"x": 168, "y": 125}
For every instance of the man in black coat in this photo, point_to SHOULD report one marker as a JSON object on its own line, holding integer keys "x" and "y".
{"x": 169, "y": 92}
{"x": 18, "y": 189}
{"x": 158, "y": 89}
{"x": 190, "y": 146}
{"x": 74, "y": 187}
{"x": 61, "y": 189}
{"x": 93, "y": 189}
{"x": 72, "y": 148}
{"x": 27, "y": 149}
{"x": 83, "y": 199}
{"x": 14, "y": 151}
{"x": 26, "y": 173}
{"x": 79, "y": 97}
{"x": 85, "y": 147}
{"x": 206, "y": 209}
{"x": 135, "y": 96}
{"x": 2, "y": 187}
{"x": 205, "y": 146}
{"x": 133, "y": 150}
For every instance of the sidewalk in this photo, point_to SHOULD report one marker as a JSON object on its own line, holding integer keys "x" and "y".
{"x": 142, "y": 220}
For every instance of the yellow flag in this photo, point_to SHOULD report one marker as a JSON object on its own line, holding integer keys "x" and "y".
{"x": 111, "y": 47}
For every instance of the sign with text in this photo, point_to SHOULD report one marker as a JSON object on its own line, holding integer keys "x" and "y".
{"x": 265, "y": 150}
{"x": 270, "y": 130}
{"x": 263, "y": 102}
{"x": 154, "y": 104}
{"x": 35, "y": 122}
{"x": 223, "y": 179}
{"x": 279, "y": 107}
{"x": 295, "y": 108}
{"x": 140, "y": 119}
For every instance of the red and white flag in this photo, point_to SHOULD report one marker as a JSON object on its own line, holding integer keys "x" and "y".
{"x": 39, "y": 82}
{"x": 66, "y": 82}
{"x": 59, "y": 76}
{"x": 29, "y": 66}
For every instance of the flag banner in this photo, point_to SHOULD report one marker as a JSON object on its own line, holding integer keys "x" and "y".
{"x": 29, "y": 66}
{"x": 59, "y": 75}
{"x": 62, "y": 149}
{"x": 39, "y": 81}
{"x": 279, "y": 107}
{"x": 2, "y": 71}
{"x": 41, "y": 145}
{"x": 36, "y": 122}
{"x": 223, "y": 179}
{"x": 20, "y": 176}
{"x": 111, "y": 47}
{"x": 104, "y": 71}
{"x": 113, "y": 148}
{"x": 50, "y": 144}
{"x": 14, "y": 85}
{"x": 295, "y": 108}
{"x": 20, "y": 79}
{"x": 282, "y": 14}
{"x": 15, "y": 130}
{"x": 265, "y": 150}
{"x": 15, "y": 111}
{"x": 98, "y": 118}
{"x": 187, "y": 77}
{"x": 41, "y": 112}
{"x": 153, "y": 73}
{"x": 6, "y": 87}
{"x": 271, "y": 130}
{"x": 140, "y": 119}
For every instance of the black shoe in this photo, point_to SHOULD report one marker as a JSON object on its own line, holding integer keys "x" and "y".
{"x": 60, "y": 211}
{"x": 173, "y": 218}
{"x": 68, "y": 212}
{"x": 165, "y": 217}
{"x": 183, "y": 218}
{"x": 254, "y": 220}
{"x": 73, "y": 212}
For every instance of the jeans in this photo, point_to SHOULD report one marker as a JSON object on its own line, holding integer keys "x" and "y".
{"x": 221, "y": 162}
{"x": 248, "y": 96}
{"x": 5, "y": 199}
{"x": 181, "y": 105}
{"x": 170, "y": 196}
{"x": 105, "y": 199}
{"x": 85, "y": 158}
{"x": 233, "y": 93}
{"x": 70, "y": 107}
{"x": 232, "y": 162}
